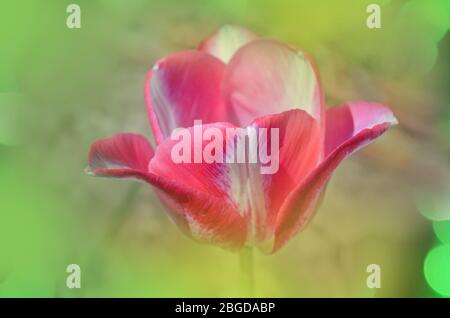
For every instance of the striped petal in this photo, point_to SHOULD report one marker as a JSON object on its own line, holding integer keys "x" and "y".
{"x": 184, "y": 87}
{"x": 299, "y": 153}
{"x": 216, "y": 219}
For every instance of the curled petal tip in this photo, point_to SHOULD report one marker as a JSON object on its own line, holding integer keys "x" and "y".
{"x": 394, "y": 120}
{"x": 88, "y": 171}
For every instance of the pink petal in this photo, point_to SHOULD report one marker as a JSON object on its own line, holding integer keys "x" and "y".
{"x": 345, "y": 121}
{"x": 301, "y": 203}
{"x": 214, "y": 218}
{"x": 184, "y": 87}
{"x": 226, "y": 41}
{"x": 199, "y": 215}
{"x": 218, "y": 181}
{"x": 200, "y": 176}
{"x": 206, "y": 217}
{"x": 299, "y": 153}
{"x": 127, "y": 155}
{"x": 126, "y": 150}
{"x": 265, "y": 77}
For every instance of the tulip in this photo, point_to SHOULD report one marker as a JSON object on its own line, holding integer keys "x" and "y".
{"x": 236, "y": 79}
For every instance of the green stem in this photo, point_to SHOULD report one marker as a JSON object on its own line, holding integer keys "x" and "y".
{"x": 247, "y": 273}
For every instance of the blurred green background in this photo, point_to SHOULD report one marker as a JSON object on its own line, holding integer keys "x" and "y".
{"x": 61, "y": 89}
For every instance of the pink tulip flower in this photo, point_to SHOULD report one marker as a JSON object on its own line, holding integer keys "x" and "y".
{"x": 236, "y": 79}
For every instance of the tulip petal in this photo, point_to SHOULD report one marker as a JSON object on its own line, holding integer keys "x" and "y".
{"x": 301, "y": 203}
{"x": 184, "y": 87}
{"x": 125, "y": 150}
{"x": 299, "y": 153}
{"x": 198, "y": 175}
{"x": 213, "y": 218}
{"x": 205, "y": 217}
{"x": 345, "y": 121}
{"x": 265, "y": 77}
{"x": 200, "y": 216}
{"x": 226, "y": 41}
{"x": 238, "y": 186}
{"x": 127, "y": 155}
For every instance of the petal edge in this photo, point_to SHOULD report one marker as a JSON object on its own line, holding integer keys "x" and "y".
{"x": 302, "y": 202}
